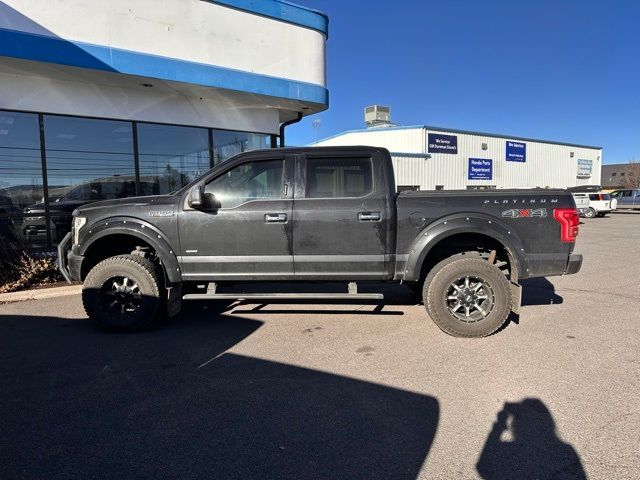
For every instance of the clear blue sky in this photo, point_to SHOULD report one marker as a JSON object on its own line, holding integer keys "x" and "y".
{"x": 550, "y": 69}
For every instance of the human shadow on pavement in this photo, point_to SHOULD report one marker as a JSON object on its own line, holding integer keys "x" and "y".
{"x": 523, "y": 444}
{"x": 539, "y": 291}
{"x": 170, "y": 403}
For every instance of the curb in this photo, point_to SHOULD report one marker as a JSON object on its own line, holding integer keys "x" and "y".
{"x": 40, "y": 293}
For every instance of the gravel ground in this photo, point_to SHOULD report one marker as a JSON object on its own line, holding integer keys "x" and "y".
{"x": 335, "y": 391}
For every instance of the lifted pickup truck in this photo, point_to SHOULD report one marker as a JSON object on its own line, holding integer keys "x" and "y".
{"x": 327, "y": 214}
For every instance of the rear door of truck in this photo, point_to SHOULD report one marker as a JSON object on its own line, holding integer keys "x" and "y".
{"x": 341, "y": 217}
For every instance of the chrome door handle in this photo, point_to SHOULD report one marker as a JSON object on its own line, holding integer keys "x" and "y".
{"x": 275, "y": 217}
{"x": 369, "y": 216}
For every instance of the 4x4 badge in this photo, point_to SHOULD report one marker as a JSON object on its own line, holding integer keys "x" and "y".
{"x": 525, "y": 213}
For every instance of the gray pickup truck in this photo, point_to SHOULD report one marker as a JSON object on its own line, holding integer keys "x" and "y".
{"x": 317, "y": 215}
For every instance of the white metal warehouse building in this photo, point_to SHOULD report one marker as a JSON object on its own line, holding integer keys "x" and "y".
{"x": 431, "y": 158}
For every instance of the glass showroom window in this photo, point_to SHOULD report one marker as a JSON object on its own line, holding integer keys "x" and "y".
{"x": 226, "y": 144}
{"x": 170, "y": 157}
{"x": 87, "y": 160}
{"x": 20, "y": 173}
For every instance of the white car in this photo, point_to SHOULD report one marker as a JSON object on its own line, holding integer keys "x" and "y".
{"x": 582, "y": 202}
{"x": 600, "y": 204}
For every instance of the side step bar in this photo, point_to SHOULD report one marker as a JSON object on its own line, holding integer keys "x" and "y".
{"x": 211, "y": 294}
{"x": 276, "y": 296}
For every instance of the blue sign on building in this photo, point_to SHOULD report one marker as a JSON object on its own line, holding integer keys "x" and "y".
{"x": 480, "y": 169}
{"x": 516, "y": 152}
{"x": 439, "y": 143}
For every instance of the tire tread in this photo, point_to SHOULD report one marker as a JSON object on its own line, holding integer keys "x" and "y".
{"x": 140, "y": 262}
{"x": 466, "y": 264}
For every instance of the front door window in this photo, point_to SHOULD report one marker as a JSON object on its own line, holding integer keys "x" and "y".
{"x": 247, "y": 182}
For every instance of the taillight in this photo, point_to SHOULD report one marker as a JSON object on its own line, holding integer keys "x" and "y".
{"x": 569, "y": 220}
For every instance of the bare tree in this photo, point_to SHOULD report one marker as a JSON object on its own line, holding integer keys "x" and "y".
{"x": 632, "y": 174}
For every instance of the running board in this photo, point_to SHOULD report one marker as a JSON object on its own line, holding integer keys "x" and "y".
{"x": 352, "y": 289}
{"x": 283, "y": 296}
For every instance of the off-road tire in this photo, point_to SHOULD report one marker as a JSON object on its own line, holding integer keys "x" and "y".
{"x": 97, "y": 293}
{"x": 458, "y": 267}
{"x": 437, "y": 268}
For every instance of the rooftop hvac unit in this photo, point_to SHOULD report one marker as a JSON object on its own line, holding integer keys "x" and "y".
{"x": 377, "y": 115}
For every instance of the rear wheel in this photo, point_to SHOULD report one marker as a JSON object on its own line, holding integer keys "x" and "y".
{"x": 467, "y": 297}
{"x": 418, "y": 287}
{"x": 590, "y": 213}
{"x": 122, "y": 293}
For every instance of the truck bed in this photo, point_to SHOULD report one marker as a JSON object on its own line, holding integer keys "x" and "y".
{"x": 526, "y": 215}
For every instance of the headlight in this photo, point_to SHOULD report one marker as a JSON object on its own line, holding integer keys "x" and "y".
{"x": 78, "y": 223}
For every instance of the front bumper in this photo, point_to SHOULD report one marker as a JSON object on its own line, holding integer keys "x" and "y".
{"x": 63, "y": 264}
{"x": 69, "y": 264}
{"x": 574, "y": 264}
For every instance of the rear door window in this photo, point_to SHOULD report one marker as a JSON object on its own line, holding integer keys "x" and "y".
{"x": 339, "y": 178}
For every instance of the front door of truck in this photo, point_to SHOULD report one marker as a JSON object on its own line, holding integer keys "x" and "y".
{"x": 340, "y": 219}
{"x": 246, "y": 232}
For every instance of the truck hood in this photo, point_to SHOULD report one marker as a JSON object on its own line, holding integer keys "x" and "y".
{"x": 130, "y": 203}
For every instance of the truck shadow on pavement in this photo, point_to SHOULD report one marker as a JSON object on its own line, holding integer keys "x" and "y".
{"x": 169, "y": 403}
{"x": 535, "y": 291}
{"x": 523, "y": 444}
{"x": 394, "y": 295}
{"x": 539, "y": 291}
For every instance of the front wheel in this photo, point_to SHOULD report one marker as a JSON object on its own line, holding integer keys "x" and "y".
{"x": 590, "y": 213}
{"x": 468, "y": 297}
{"x": 122, "y": 293}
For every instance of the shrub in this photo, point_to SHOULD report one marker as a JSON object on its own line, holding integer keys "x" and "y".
{"x": 20, "y": 269}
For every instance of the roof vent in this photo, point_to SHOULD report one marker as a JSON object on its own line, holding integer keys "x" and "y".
{"x": 377, "y": 116}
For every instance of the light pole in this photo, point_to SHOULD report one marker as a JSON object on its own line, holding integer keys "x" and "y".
{"x": 316, "y": 123}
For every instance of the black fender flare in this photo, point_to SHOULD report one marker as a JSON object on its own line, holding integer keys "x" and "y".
{"x": 134, "y": 227}
{"x": 464, "y": 223}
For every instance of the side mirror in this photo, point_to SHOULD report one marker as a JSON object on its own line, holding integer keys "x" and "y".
{"x": 211, "y": 202}
{"x": 196, "y": 197}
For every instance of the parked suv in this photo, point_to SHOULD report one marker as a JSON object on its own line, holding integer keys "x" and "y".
{"x": 627, "y": 199}
{"x": 600, "y": 204}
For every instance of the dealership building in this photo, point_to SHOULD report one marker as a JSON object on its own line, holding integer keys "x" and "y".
{"x": 103, "y": 100}
{"x": 433, "y": 158}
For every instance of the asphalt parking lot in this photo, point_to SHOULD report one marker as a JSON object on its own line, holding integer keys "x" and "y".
{"x": 336, "y": 391}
